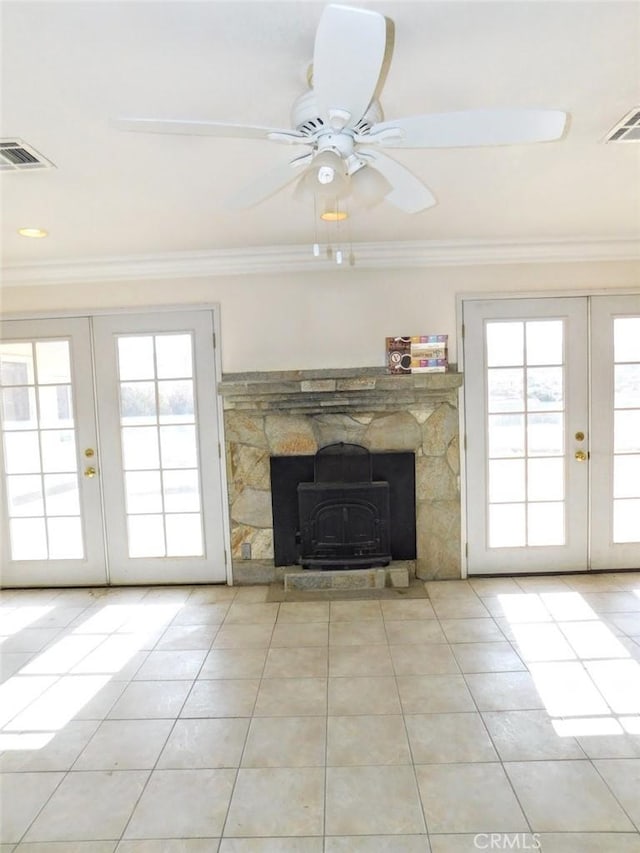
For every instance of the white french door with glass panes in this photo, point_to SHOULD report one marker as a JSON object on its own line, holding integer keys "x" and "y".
{"x": 52, "y": 511}
{"x": 615, "y": 432}
{"x": 552, "y": 432}
{"x": 111, "y": 463}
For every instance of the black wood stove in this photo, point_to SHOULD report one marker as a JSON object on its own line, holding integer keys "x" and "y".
{"x": 344, "y": 514}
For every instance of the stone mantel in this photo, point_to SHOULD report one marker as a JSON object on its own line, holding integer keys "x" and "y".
{"x": 339, "y": 390}
{"x": 296, "y": 412}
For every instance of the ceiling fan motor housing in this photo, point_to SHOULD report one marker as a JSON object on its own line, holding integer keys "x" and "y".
{"x": 305, "y": 116}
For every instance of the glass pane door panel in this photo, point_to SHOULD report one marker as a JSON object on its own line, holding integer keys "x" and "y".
{"x": 159, "y": 445}
{"x": 545, "y": 434}
{"x": 65, "y": 538}
{"x": 140, "y": 448}
{"x": 626, "y": 430}
{"x": 53, "y": 362}
{"x": 545, "y": 524}
{"x": 136, "y": 357}
{"x": 138, "y": 406}
{"x": 184, "y": 534}
{"x": 506, "y": 436}
{"x": 16, "y": 363}
{"x": 19, "y": 408}
{"x": 625, "y": 520}
{"x": 626, "y": 476}
{"x": 181, "y": 490}
{"x": 58, "y": 450}
{"x": 545, "y": 481}
{"x": 21, "y": 453}
{"x": 174, "y": 356}
{"x": 143, "y": 491}
{"x": 545, "y": 342}
{"x": 28, "y": 539}
{"x": 175, "y": 401}
{"x": 506, "y": 390}
{"x": 39, "y": 446}
{"x": 544, "y": 388}
{"x": 507, "y": 525}
{"x": 146, "y": 536}
{"x": 534, "y": 428}
{"x": 178, "y": 446}
{"x": 505, "y": 344}
{"x": 626, "y": 339}
{"x": 627, "y": 382}
{"x": 507, "y": 483}
{"x": 56, "y": 406}
{"x": 25, "y": 496}
{"x": 62, "y": 494}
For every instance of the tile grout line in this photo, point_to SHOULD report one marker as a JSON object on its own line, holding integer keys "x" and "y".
{"x": 425, "y": 823}
{"x": 496, "y": 750}
{"x": 246, "y": 737}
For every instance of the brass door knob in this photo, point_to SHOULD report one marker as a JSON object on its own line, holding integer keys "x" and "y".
{"x": 90, "y": 472}
{"x": 580, "y": 455}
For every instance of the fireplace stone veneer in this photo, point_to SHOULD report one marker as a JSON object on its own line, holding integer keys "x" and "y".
{"x": 297, "y": 412}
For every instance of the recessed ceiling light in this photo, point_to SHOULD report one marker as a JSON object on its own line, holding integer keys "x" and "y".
{"x": 33, "y": 232}
{"x": 334, "y": 215}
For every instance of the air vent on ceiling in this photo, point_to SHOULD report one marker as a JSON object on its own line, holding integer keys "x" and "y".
{"x": 627, "y": 129}
{"x": 16, "y": 155}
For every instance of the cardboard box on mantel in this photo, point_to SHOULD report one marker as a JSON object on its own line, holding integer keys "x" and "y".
{"x": 417, "y": 354}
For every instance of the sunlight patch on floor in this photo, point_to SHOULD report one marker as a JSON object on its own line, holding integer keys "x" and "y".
{"x": 585, "y": 676}
{"x": 49, "y": 691}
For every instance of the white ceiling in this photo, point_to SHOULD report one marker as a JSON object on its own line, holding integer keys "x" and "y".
{"x": 70, "y": 67}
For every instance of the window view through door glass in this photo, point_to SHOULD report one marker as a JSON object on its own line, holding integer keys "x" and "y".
{"x": 626, "y": 420}
{"x": 159, "y": 445}
{"x": 526, "y": 410}
{"x": 39, "y": 447}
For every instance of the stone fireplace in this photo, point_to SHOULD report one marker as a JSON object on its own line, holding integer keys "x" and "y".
{"x": 297, "y": 412}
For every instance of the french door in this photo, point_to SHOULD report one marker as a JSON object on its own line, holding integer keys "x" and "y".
{"x": 110, "y": 452}
{"x": 552, "y": 431}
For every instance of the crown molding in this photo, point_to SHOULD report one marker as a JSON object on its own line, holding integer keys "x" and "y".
{"x": 285, "y": 259}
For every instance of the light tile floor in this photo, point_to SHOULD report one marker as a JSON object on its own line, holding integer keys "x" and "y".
{"x": 498, "y": 714}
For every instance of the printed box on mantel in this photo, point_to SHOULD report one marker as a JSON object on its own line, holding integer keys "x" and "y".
{"x": 417, "y": 354}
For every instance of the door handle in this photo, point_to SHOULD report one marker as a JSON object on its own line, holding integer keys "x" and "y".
{"x": 581, "y": 455}
{"x": 90, "y": 472}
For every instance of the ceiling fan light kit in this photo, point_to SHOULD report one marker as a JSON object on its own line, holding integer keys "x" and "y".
{"x": 33, "y": 233}
{"x": 340, "y": 124}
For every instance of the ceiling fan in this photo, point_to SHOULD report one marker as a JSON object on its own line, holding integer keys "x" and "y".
{"x": 340, "y": 126}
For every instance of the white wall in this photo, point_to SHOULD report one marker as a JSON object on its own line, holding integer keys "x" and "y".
{"x": 334, "y": 318}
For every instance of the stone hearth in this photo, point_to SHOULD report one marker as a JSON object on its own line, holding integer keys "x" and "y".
{"x": 297, "y": 412}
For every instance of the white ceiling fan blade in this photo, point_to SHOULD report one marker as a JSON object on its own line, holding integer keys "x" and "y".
{"x": 472, "y": 128}
{"x": 206, "y": 128}
{"x": 408, "y": 193}
{"x": 269, "y": 183}
{"x": 347, "y": 60}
